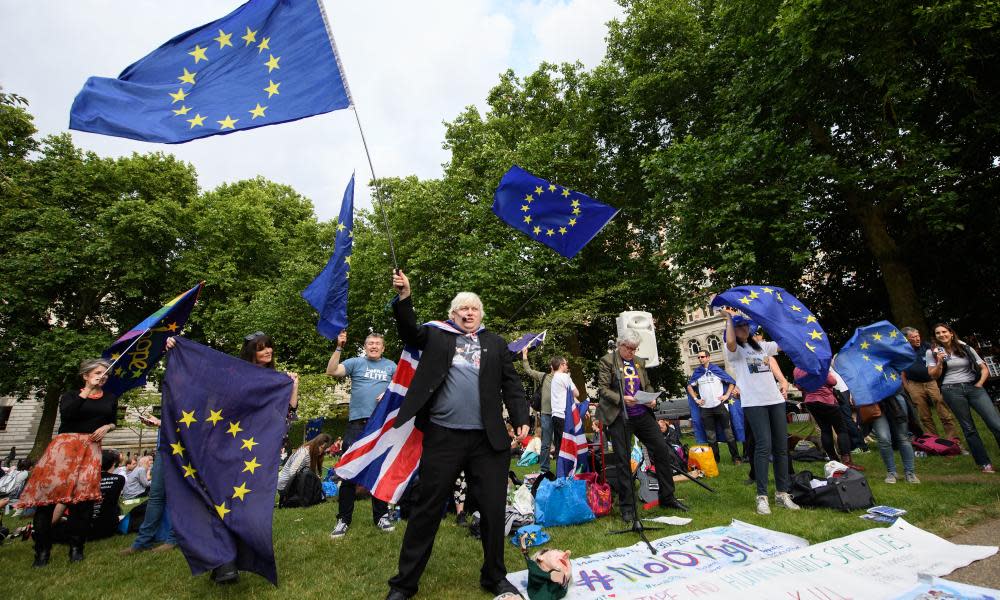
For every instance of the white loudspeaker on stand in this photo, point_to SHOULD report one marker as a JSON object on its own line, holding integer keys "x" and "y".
{"x": 642, "y": 323}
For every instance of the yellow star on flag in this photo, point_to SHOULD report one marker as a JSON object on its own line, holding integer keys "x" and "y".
{"x": 811, "y": 319}
{"x": 115, "y": 356}
{"x": 864, "y": 345}
{"x": 754, "y": 295}
{"x": 198, "y": 120}
{"x": 119, "y": 371}
{"x": 187, "y": 77}
{"x": 224, "y": 39}
{"x": 780, "y": 299}
{"x": 572, "y": 222}
{"x": 877, "y": 337}
{"x": 187, "y": 418}
{"x": 816, "y": 335}
{"x": 538, "y": 189}
{"x": 537, "y": 230}
{"x": 189, "y": 471}
{"x": 811, "y": 347}
{"x": 248, "y": 444}
{"x": 258, "y": 111}
{"x": 263, "y": 45}
{"x": 768, "y": 290}
{"x": 866, "y": 357}
{"x": 878, "y": 368}
{"x": 552, "y": 187}
{"x": 893, "y": 376}
{"x": 745, "y": 300}
{"x": 214, "y": 416}
{"x": 272, "y": 88}
{"x": 563, "y": 230}
{"x": 177, "y": 448}
{"x": 893, "y": 334}
{"x": 172, "y": 327}
{"x": 525, "y": 208}
{"x": 178, "y": 96}
{"x": 528, "y": 198}
{"x": 250, "y": 37}
{"x": 576, "y": 211}
{"x": 796, "y": 308}
{"x": 550, "y": 232}
{"x": 183, "y": 110}
{"x": 228, "y": 123}
{"x": 527, "y": 218}
{"x": 234, "y": 428}
{"x": 565, "y": 193}
{"x": 243, "y": 490}
{"x": 272, "y": 63}
{"x": 198, "y": 53}
{"x": 347, "y": 260}
{"x": 222, "y": 510}
{"x": 341, "y": 227}
{"x": 575, "y": 204}
{"x": 250, "y": 465}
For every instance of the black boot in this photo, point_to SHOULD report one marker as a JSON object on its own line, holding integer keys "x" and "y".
{"x": 226, "y": 573}
{"x": 75, "y": 553}
{"x": 41, "y": 558}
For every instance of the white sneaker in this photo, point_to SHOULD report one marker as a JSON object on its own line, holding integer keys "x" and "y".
{"x": 762, "y": 507}
{"x": 386, "y": 524}
{"x": 890, "y": 478}
{"x": 340, "y": 530}
{"x": 784, "y": 500}
{"x": 912, "y": 478}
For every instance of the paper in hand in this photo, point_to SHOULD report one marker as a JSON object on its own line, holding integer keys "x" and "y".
{"x": 646, "y": 397}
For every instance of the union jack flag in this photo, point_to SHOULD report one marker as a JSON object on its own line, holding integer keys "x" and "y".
{"x": 384, "y": 459}
{"x": 574, "y": 441}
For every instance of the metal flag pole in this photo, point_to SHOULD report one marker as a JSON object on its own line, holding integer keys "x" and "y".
{"x": 379, "y": 199}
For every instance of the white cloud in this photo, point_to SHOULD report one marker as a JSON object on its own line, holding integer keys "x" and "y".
{"x": 410, "y": 66}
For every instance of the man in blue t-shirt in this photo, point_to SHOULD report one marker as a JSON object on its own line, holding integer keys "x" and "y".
{"x": 370, "y": 375}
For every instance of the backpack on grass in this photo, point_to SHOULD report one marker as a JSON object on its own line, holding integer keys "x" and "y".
{"x": 933, "y": 445}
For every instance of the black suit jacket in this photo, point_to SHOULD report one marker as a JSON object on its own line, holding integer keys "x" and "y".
{"x": 498, "y": 381}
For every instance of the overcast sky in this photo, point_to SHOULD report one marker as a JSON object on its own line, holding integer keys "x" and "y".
{"x": 410, "y": 66}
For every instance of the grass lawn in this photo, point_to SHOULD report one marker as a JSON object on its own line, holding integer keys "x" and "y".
{"x": 953, "y": 495}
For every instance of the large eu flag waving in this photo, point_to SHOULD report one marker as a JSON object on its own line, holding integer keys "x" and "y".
{"x": 267, "y": 62}
{"x": 560, "y": 218}
{"x": 789, "y": 323}
{"x": 135, "y": 353}
{"x": 871, "y": 362}
{"x": 221, "y": 431}
{"x": 328, "y": 292}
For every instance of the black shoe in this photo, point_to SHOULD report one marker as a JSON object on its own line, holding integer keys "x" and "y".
{"x": 504, "y": 587}
{"x": 225, "y": 574}
{"x": 395, "y": 594}
{"x": 75, "y": 553}
{"x": 41, "y": 558}
{"x": 461, "y": 520}
{"x": 675, "y": 504}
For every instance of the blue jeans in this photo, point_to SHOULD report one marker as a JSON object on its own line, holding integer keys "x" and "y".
{"x": 154, "y": 509}
{"x": 886, "y": 432}
{"x": 962, "y": 399}
{"x": 546, "y": 450}
{"x": 770, "y": 432}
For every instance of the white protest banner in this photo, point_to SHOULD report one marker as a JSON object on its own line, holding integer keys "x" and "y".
{"x": 625, "y": 572}
{"x": 868, "y": 565}
{"x": 935, "y": 588}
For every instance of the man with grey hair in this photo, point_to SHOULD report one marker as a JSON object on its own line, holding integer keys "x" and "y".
{"x": 370, "y": 376}
{"x": 464, "y": 380}
{"x": 924, "y": 391}
{"x": 622, "y": 371}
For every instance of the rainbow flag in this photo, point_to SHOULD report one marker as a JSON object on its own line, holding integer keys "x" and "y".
{"x": 140, "y": 348}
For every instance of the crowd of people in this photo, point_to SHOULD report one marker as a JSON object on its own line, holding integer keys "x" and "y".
{"x": 469, "y": 402}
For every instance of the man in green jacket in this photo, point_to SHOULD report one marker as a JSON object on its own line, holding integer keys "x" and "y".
{"x": 545, "y": 381}
{"x": 620, "y": 370}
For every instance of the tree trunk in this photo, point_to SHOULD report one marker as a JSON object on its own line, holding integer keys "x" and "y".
{"x": 50, "y": 408}
{"x": 903, "y": 302}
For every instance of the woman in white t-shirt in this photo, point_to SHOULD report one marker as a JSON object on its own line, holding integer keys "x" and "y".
{"x": 763, "y": 408}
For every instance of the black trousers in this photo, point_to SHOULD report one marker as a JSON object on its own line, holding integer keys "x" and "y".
{"x": 77, "y": 525}
{"x": 710, "y": 419}
{"x": 558, "y": 424}
{"x": 447, "y": 452}
{"x": 348, "y": 491}
{"x": 830, "y": 421}
{"x": 646, "y": 429}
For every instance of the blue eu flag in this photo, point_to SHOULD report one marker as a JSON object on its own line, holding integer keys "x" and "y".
{"x": 267, "y": 62}
{"x": 221, "y": 431}
{"x": 558, "y": 217}
{"x": 328, "y": 292}
{"x": 789, "y": 323}
{"x": 871, "y": 362}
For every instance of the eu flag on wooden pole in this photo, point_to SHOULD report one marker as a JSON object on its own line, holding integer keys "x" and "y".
{"x": 135, "y": 353}
{"x": 560, "y": 218}
{"x": 267, "y": 62}
{"x": 328, "y": 292}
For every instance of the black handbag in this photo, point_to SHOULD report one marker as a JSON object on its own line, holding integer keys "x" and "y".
{"x": 848, "y": 492}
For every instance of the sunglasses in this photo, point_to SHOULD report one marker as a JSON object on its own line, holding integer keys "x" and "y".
{"x": 254, "y": 336}
{"x": 702, "y": 356}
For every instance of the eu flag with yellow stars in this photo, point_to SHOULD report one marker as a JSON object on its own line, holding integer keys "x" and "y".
{"x": 328, "y": 292}
{"x": 267, "y": 62}
{"x": 221, "y": 430}
{"x": 560, "y": 218}
{"x": 872, "y": 360}
{"x": 138, "y": 350}
{"x": 789, "y": 323}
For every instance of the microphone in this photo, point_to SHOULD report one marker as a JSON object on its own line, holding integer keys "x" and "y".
{"x": 611, "y": 345}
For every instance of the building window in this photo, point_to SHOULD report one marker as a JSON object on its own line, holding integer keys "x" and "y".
{"x": 4, "y": 415}
{"x": 694, "y": 347}
{"x": 714, "y": 344}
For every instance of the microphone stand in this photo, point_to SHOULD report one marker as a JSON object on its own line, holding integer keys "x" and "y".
{"x": 636, "y": 525}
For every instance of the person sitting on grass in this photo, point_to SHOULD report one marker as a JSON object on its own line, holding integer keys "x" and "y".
{"x": 309, "y": 456}
{"x": 138, "y": 480}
